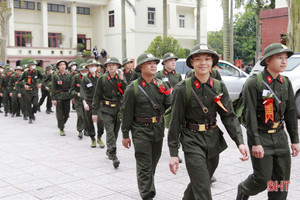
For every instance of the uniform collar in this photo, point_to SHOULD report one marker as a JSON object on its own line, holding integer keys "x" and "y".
{"x": 116, "y": 76}
{"x": 32, "y": 71}
{"x": 166, "y": 72}
{"x": 198, "y": 84}
{"x": 269, "y": 77}
{"x": 90, "y": 75}
{"x": 66, "y": 73}
{"x": 144, "y": 83}
{"x": 127, "y": 72}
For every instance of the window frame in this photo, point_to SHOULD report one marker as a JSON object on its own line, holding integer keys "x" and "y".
{"x": 111, "y": 18}
{"x": 51, "y": 40}
{"x": 181, "y": 21}
{"x": 21, "y": 34}
{"x": 151, "y": 16}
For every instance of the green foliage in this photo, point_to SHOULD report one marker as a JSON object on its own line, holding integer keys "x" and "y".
{"x": 80, "y": 47}
{"x": 158, "y": 47}
{"x": 25, "y": 61}
{"x": 187, "y": 52}
{"x": 215, "y": 40}
{"x": 78, "y": 61}
{"x": 245, "y": 36}
{"x": 86, "y": 54}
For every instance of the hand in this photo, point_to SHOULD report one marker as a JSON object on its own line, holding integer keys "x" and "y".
{"x": 54, "y": 102}
{"x": 26, "y": 87}
{"x": 1, "y": 94}
{"x": 78, "y": 94}
{"x": 244, "y": 151}
{"x": 47, "y": 88}
{"x": 120, "y": 74}
{"x": 258, "y": 151}
{"x": 95, "y": 118}
{"x": 19, "y": 95}
{"x": 86, "y": 106}
{"x": 174, "y": 164}
{"x": 126, "y": 143}
{"x": 295, "y": 149}
{"x": 10, "y": 94}
{"x": 39, "y": 85}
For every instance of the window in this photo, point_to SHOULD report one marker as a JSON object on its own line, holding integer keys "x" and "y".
{"x": 181, "y": 21}
{"x": 20, "y": 41}
{"x": 227, "y": 70}
{"x": 38, "y": 5}
{"x": 111, "y": 16}
{"x": 54, "y": 39}
{"x": 26, "y": 5}
{"x": 151, "y": 15}
{"x": 56, "y": 8}
{"x": 83, "y": 10}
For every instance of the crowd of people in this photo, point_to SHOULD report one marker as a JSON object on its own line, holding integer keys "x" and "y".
{"x": 116, "y": 96}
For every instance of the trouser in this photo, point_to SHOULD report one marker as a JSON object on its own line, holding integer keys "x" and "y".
{"x": 7, "y": 101}
{"x": 23, "y": 105}
{"x": 16, "y": 105}
{"x": 200, "y": 170}
{"x": 112, "y": 127}
{"x": 269, "y": 168}
{"x": 31, "y": 102}
{"x": 62, "y": 112}
{"x": 80, "y": 115}
{"x": 90, "y": 125}
{"x": 1, "y": 102}
{"x": 46, "y": 94}
{"x": 147, "y": 155}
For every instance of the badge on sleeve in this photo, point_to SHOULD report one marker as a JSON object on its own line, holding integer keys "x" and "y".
{"x": 59, "y": 82}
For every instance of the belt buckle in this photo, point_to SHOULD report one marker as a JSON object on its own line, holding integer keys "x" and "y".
{"x": 275, "y": 124}
{"x": 106, "y": 102}
{"x": 272, "y": 131}
{"x": 201, "y": 127}
{"x": 113, "y": 105}
{"x": 154, "y": 119}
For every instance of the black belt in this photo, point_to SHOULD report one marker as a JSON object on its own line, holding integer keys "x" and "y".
{"x": 275, "y": 129}
{"x": 200, "y": 127}
{"x": 61, "y": 91}
{"x": 112, "y": 104}
{"x": 147, "y": 121}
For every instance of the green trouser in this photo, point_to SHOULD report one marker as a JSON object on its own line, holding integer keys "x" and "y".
{"x": 23, "y": 105}
{"x": 62, "y": 112}
{"x": 7, "y": 102}
{"x": 272, "y": 167}
{"x": 200, "y": 170}
{"x": 112, "y": 127}
{"x": 80, "y": 115}
{"x": 89, "y": 125}
{"x": 31, "y": 102}
{"x": 147, "y": 155}
{"x": 16, "y": 105}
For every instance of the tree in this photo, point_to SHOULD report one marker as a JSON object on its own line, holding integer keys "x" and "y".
{"x": 5, "y": 13}
{"x": 158, "y": 47}
{"x": 215, "y": 40}
{"x": 294, "y": 25}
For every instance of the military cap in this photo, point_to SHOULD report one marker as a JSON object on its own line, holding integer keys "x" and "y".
{"x": 8, "y": 69}
{"x": 169, "y": 56}
{"x": 202, "y": 48}
{"x": 72, "y": 63}
{"x": 18, "y": 68}
{"x": 48, "y": 67}
{"x": 32, "y": 62}
{"x": 273, "y": 49}
{"x": 90, "y": 62}
{"x": 127, "y": 60}
{"x": 25, "y": 66}
{"x": 82, "y": 66}
{"x": 112, "y": 60}
{"x": 59, "y": 61}
{"x": 143, "y": 58}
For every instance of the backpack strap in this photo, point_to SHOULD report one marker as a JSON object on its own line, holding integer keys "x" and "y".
{"x": 135, "y": 87}
{"x": 188, "y": 88}
{"x": 161, "y": 74}
{"x": 259, "y": 80}
{"x": 217, "y": 85}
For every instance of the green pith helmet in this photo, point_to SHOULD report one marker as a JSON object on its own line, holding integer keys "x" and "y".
{"x": 25, "y": 66}
{"x": 8, "y": 69}
{"x": 18, "y": 68}
{"x": 169, "y": 56}
{"x": 59, "y": 61}
{"x": 48, "y": 67}
{"x": 202, "y": 48}
{"x": 72, "y": 63}
{"x": 82, "y": 67}
{"x": 273, "y": 49}
{"x": 143, "y": 58}
{"x": 127, "y": 60}
{"x": 92, "y": 62}
{"x": 112, "y": 60}
{"x": 32, "y": 62}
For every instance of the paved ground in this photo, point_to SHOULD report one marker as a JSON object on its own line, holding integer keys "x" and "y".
{"x": 37, "y": 163}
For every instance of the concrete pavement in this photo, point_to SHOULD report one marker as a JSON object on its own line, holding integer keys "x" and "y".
{"x": 37, "y": 163}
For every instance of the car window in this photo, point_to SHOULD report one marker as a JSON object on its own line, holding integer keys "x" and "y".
{"x": 181, "y": 67}
{"x": 227, "y": 70}
{"x": 292, "y": 63}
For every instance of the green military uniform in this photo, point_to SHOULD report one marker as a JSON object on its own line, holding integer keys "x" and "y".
{"x": 75, "y": 90}
{"x": 1, "y": 76}
{"x": 130, "y": 73}
{"x": 61, "y": 84}
{"x": 108, "y": 98}
{"x": 87, "y": 91}
{"x": 31, "y": 78}
{"x": 21, "y": 91}
{"x": 202, "y": 140}
{"x": 147, "y": 135}
{"x": 47, "y": 82}
{"x": 14, "y": 89}
{"x": 6, "y": 83}
{"x": 214, "y": 73}
{"x": 276, "y": 162}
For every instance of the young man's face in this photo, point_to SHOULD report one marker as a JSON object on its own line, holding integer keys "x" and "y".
{"x": 149, "y": 68}
{"x": 128, "y": 65}
{"x": 62, "y": 66}
{"x": 18, "y": 72}
{"x": 112, "y": 67}
{"x": 277, "y": 63}
{"x": 170, "y": 64}
{"x": 84, "y": 72}
{"x": 202, "y": 63}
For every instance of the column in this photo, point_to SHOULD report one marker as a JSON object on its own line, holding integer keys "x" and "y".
{"x": 44, "y": 9}
{"x": 173, "y": 17}
{"x": 11, "y": 26}
{"x": 74, "y": 24}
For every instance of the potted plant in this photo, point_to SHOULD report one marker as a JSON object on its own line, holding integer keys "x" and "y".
{"x": 28, "y": 38}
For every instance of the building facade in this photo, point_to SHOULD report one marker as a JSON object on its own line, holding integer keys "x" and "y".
{"x": 49, "y": 30}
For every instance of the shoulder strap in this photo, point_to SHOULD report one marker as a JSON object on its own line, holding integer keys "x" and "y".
{"x": 103, "y": 78}
{"x": 217, "y": 84}
{"x": 161, "y": 74}
{"x": 259, "y": 80}
{"x": 188, "y": 87}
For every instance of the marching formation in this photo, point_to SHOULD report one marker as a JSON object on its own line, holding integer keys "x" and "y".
{"x": 143, "y": 102}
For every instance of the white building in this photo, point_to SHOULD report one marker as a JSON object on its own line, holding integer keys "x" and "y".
{"x": 58, "y": 25}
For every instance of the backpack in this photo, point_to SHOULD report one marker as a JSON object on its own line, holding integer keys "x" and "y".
{"x": 238, "y": 104}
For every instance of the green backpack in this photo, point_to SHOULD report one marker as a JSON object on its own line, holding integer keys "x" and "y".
{"x": 238, "y": 104}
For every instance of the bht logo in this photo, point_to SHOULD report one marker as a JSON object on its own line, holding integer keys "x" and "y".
{"x": 274, "y": 186}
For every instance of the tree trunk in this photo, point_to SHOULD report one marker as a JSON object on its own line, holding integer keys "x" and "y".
{"x": 294, "y": 25}
{"x": 226, "y": 34}
{"x": 124, "y": 50}
{"x": 165, "y": 19}
{"x": 198, "y": 21}
{"x": 5, "y": 14}
{"x": 231, "y": 57}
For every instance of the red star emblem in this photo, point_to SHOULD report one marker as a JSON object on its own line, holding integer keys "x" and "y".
{"x": 143, "y": 83}
{"x": 269, "y": 79}
{"x": 211, "y": 82}
{"x": 281, "y": 79}
{"x": 108, "y": 77}
{"x": 197, "y": 84}
{"x": 166, "y": 73}
{"x": 154, "y": 81}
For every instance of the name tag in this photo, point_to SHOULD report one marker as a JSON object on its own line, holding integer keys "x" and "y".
{"x": 35, "y": 77}
{"x": 59, "y": 82}
{"x": 89, "y": 85}
{"x": 266, "y": 93}
{"x": 165, "y": 79}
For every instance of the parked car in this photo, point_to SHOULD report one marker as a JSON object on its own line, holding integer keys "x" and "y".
{"x": 292, "y": 71}
{"x": 233, "y": 77}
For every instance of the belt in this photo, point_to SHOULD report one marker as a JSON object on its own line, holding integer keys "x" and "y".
{"x": 147, "y": 121}
{"x": 61, "y": 91}
{"x": 200, "y": 127}
{"x": 275, "y": 128}
{"x": 111, "y": 103}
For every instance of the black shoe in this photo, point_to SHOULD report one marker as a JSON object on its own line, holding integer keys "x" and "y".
{"x": 179, "y": 160}
{"x": 12, "y": 115}
{"x": 5, "y": 115}
{"x": 80, "y": 135}
{"x": 116, "y": 163}
{"x": 30, "y": 121}
{"x": 48, "y": 111}
{"x": 18, "y": 115}
{"x": 39, "y": 109}
{"x": 86, "y": 133}
{"x": 240, "y": 195}
{"x": 51, "y": 110}
{"x": 213, "y": 179}
{"x": 25, "y": 117}
{"x": 33, "y": 118}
